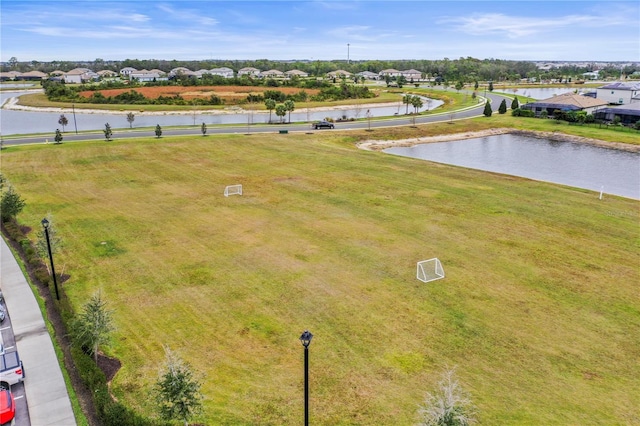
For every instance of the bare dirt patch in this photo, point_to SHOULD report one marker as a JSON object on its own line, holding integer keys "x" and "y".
{"x": 193, "y": 92}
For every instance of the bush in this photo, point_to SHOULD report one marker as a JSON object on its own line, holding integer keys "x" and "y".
{"x": 519, "y": 112}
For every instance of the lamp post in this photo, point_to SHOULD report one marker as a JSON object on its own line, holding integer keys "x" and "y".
{"x": 306, "y": 341}
{"x": 45, "y": 225}
{"x": 348, "y": 61}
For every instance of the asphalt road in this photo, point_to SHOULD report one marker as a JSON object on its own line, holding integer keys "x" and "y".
{"x": 275, "y": 128}
{"x": 22, "y": 411}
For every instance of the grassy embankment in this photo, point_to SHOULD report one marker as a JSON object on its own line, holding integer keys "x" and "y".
{"x": 538, "y": 310}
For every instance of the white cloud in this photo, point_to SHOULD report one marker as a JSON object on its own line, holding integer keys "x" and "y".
{"x": 518, "y": 26}
{"x": 190, "y": 16}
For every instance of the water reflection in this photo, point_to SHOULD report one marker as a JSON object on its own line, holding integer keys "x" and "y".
{"x": 578, "y": 165}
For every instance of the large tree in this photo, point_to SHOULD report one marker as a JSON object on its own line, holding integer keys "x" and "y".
{"x": 177, "y": 391}
{"x": 503, "y": 107}
{"x": 515, "y": 104}
{"x": 93, "y": 327}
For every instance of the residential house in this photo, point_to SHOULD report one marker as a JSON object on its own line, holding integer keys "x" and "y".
{"x": 124, "y": 72}
{"x": 565, "y": 102}
{"x": 249, "y": 71}
{"x": 79, "y": 75}
{"x": 628, "y": 114}
{"x": 107, "y": 74}
{"x": 148, "y": 75}
{"x": 389, "y": 72}
{"x": 33, "y": 75}
{"x": 272, "y": 74}
{"x": 11, "y": 75}
{"x": 338, "y": 74}
{"x": 298, "y": 73}
{"x": 222, "y": 72}
{"x": 368, "y": 75}
{"x": 412, "y": 75}
{"x": 619, "y": 93}
{"x": 181, "y": 71}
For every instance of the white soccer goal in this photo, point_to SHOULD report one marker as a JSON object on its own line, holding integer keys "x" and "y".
{"x": 430, "y": 270}
{"x": 233, "y": 190}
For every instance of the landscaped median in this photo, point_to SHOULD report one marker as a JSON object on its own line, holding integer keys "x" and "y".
{"x": 540, "y": 289}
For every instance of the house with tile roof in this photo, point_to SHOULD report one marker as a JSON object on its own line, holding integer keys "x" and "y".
{"x": 368, "y": 75}
{"x": 338, "y": 74}
{"x": 272, "y": 74}
{"x": 79, "y": 75}
{"x": 566, "y": 102}
{"x": 249, "y": 71}
{"x": 298, "y": 73}
{"x": 619, "y": 93}
{"x": 412, "y": 74}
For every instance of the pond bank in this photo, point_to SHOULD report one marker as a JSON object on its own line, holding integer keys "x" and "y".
{"x": 379, "y": 145}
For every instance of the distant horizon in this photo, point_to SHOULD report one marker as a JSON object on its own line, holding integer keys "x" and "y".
{"x": 326, "y": 30}
{"x": 637, "y": 61}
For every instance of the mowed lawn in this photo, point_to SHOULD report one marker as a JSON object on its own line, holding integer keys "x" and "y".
{"x": 539, "y": 311}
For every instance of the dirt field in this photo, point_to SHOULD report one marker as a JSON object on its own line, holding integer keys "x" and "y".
{"x": 228, "y": 93}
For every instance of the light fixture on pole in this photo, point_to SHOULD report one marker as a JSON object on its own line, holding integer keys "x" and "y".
{"x": 45, "y": 225}
{"x": 348, "y": 61}
{"x": 306, "y": 341}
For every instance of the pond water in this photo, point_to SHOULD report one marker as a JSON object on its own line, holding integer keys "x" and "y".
{"x": 16, "y": 122}
{"x": 543, "y": 92}
{"x": 578, "y": 165}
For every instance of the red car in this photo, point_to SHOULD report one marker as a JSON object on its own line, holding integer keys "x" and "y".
{"x": 7, "y": 406}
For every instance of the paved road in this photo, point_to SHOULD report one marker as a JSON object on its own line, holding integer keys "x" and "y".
{"x": 22, "y": 410}
{"x": 46, "y": 394}
{"x": 474, "y": 111}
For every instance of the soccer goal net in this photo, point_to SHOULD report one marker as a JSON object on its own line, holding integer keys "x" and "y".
{"x": 430, "y": 270}
{"x": 233, "y": 190}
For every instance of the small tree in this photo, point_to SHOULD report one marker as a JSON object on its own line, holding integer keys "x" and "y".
{"x": 203, "y": 129}
{"x": 93, "y": 326}
{"x": 270, "y": 104}
{"x": 58, "y": 137}
{"x": 544, "y": 114}
{"x": 487, "y": 109}
{"x": 491, "y": 86}
{"x": 130, "y": 118}
{"x": 515, "y": 104}
{"x": 637, "y": 125}
{"x": 281, "y": 111}
{"x": 475, "y": 85}
{"x": 450, "y": 405}
{"x": 63, "y": 121}
{"x": 289, "y": 106}
{"x": 158, "y": 131}
{"x": 11, "y": 204}
{"x": 459, "y": 86}
{"x": 107, "y": 132}
{"x": 177, "y": 391}
{"x": 503, "y": 107}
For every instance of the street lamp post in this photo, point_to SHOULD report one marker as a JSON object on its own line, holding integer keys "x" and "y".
{"x": 45, "y": 225}
{"x": 306, "y": 341}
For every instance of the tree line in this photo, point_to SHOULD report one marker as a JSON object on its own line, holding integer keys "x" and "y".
{"x": 464, "y": 69}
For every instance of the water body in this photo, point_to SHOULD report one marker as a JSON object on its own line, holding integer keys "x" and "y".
{"x": 578, "y": 165}
{"x": 16, "y": 122}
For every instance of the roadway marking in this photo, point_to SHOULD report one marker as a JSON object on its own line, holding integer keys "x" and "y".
{"x": 5, "y": 328}
{"x": 18, "y": 397}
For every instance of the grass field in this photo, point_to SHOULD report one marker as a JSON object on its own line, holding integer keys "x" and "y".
{"x": 539, "y": 308}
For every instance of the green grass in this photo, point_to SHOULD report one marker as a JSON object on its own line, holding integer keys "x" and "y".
{"x": 538, "y": 310}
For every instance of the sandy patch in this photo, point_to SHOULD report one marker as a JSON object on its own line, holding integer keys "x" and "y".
{"x": 378, "y": 145}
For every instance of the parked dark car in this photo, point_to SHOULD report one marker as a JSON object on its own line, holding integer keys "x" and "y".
{"x": 323, "y": 125}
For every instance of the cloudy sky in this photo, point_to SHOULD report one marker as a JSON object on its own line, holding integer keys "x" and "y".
{"x": 320, "y": 29}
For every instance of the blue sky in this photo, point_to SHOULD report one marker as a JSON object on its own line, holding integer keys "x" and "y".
{"x": 324, "y": 29}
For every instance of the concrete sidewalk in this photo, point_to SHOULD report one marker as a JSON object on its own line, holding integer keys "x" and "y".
{"x": 44, "y": 385}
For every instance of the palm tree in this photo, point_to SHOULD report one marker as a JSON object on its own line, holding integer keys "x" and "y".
{"x": 270, "y": 104}
{"x": 289, "y": 106}
{"x": 407, "y": 99}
